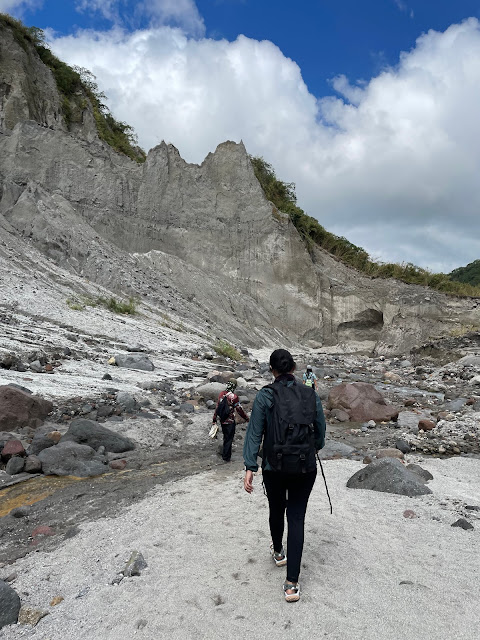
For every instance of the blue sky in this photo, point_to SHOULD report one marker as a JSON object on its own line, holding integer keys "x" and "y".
{"x": 324, "y": 37}
{"x": 370, "y": 107}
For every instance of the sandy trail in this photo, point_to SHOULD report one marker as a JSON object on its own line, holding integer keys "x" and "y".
{"x": 210, "y": 575}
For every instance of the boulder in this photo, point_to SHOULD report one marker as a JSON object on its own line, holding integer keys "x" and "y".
{"x": 126, "y": 401}
{"x": 21, "y": 409}
{"x": 410, "y": 419}
{"x": 388, "y": 453}
{"x": 12, "y": 448}
{"x": 72, "y": 459}
{"x": 388, "y": 475}
{"x": 340, "y": 414}
{"x": 420, "y": 472}
{"x": 187, "y": 407}
{"x": 88, "y": 432}
{"x": 456, "y": 405}
{"x": 322, "y": 391}
{"x": 9, "y": 605}
{"x": 426, "y": 425}
{"x": 334, "y": 449}
{"x": 211, "y": 390}
{"x": 40, "y": 442}
{"x": 33, "y": 464}
{"x": 134, "y": 361}
{"x": 403, "y": 446}
{"x": 15, "y": 465}
{"x": 219, "y": 376}
{"x": 361, "y": 401}
{"x": 469, "y": 361}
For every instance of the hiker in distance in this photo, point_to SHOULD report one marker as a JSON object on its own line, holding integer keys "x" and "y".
{"x": 228, "y": 402}
{"x": 288, "y": 417}
{"x": 309, "y": 378}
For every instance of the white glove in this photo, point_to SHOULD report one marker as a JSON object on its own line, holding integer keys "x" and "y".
{"x": 213, "y": 431}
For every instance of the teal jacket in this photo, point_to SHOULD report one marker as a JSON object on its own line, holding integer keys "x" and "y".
{"x": 261, "y": 416}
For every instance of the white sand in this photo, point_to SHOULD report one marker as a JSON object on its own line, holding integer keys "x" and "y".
{"x": 210, "y": 575}
{"x": 206, "y": 542}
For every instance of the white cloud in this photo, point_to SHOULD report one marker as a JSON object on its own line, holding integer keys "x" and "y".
{"x": 392, "y": 164}
{"x": 403, "y": 7}
{"x": 178, "y": 13}
{"x": 16, "y": 7}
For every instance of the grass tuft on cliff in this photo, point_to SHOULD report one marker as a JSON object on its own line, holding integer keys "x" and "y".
{"x": 283, "y": 196}
{"x": 224, "y": 348}
{"x": 76, "y": 86}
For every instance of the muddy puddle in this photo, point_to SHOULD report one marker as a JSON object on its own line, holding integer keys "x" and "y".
{"x": 37, "y": 489}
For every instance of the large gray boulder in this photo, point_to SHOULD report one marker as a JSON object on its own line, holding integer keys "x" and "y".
{"x": 335, "y": 449}
{"x": 83, "y": 431}
{"x": 9, "y": 605}
{"x": 388, "y": 475}
{"x": 134, "y": 361}
{"x": 72, "y": 459}
{"x": 210, "y": 390}
{"x": 21, "y": 409}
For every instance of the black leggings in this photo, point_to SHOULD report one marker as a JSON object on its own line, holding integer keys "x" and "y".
{"x": 299, "y": 487}
{"x": 228, "y": 436}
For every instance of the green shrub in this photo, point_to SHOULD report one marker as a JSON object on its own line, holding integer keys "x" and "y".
{"x": 117, "y": 306}
{"x": 468, "y": 275}
{"x": 283, "y": 196}
{"x": 223, "y": 348}
{"x": 75, "y": 304}
{"x": 75, "y": 85}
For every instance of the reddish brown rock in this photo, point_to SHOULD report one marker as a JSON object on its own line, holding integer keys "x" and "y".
{"x": 470, "y": 401}
{"x": 118, "y": 464}
{"x": 361, "y": 401}
{"x": 409, "y": 514}
{"x": 20, "y": 409}
{"x": 12, "y": 448}
{"x": 426, "y": 425}
{"x": 409, "y": 402}
{"x": 41, "y": 532}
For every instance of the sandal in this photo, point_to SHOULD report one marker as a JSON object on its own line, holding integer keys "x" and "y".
{"x": 279, "y": 558}
{"x": 291, "y": 597}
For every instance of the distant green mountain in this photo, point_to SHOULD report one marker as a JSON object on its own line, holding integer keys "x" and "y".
{"x": 469, "y": 274}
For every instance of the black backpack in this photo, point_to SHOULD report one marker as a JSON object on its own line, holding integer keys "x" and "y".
{"x": 223, "y": 409}
{"x": 289, "y": 442}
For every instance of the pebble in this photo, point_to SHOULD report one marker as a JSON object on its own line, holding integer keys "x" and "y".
{"x": 30, "y": 615}
{"x": 464, "y": 524}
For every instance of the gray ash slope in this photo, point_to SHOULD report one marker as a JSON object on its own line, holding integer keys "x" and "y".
{"x": 201, "y": 242}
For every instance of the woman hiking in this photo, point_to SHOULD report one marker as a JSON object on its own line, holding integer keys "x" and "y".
{"x": 289, "y": 463}
{"x": 228, "y": 419}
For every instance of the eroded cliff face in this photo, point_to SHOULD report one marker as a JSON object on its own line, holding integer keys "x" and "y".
{"x": 200, "y": 240}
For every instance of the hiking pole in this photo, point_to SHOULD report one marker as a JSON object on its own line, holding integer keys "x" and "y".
{"x": 325, "y": 481}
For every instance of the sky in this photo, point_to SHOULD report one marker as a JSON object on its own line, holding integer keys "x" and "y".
{"x": 370, "y": 107}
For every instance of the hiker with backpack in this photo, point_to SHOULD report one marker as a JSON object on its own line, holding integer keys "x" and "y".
{"x": 228, "y": 402}
{"x": 288, "y": 417}
{"x": 309, "y": 378}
